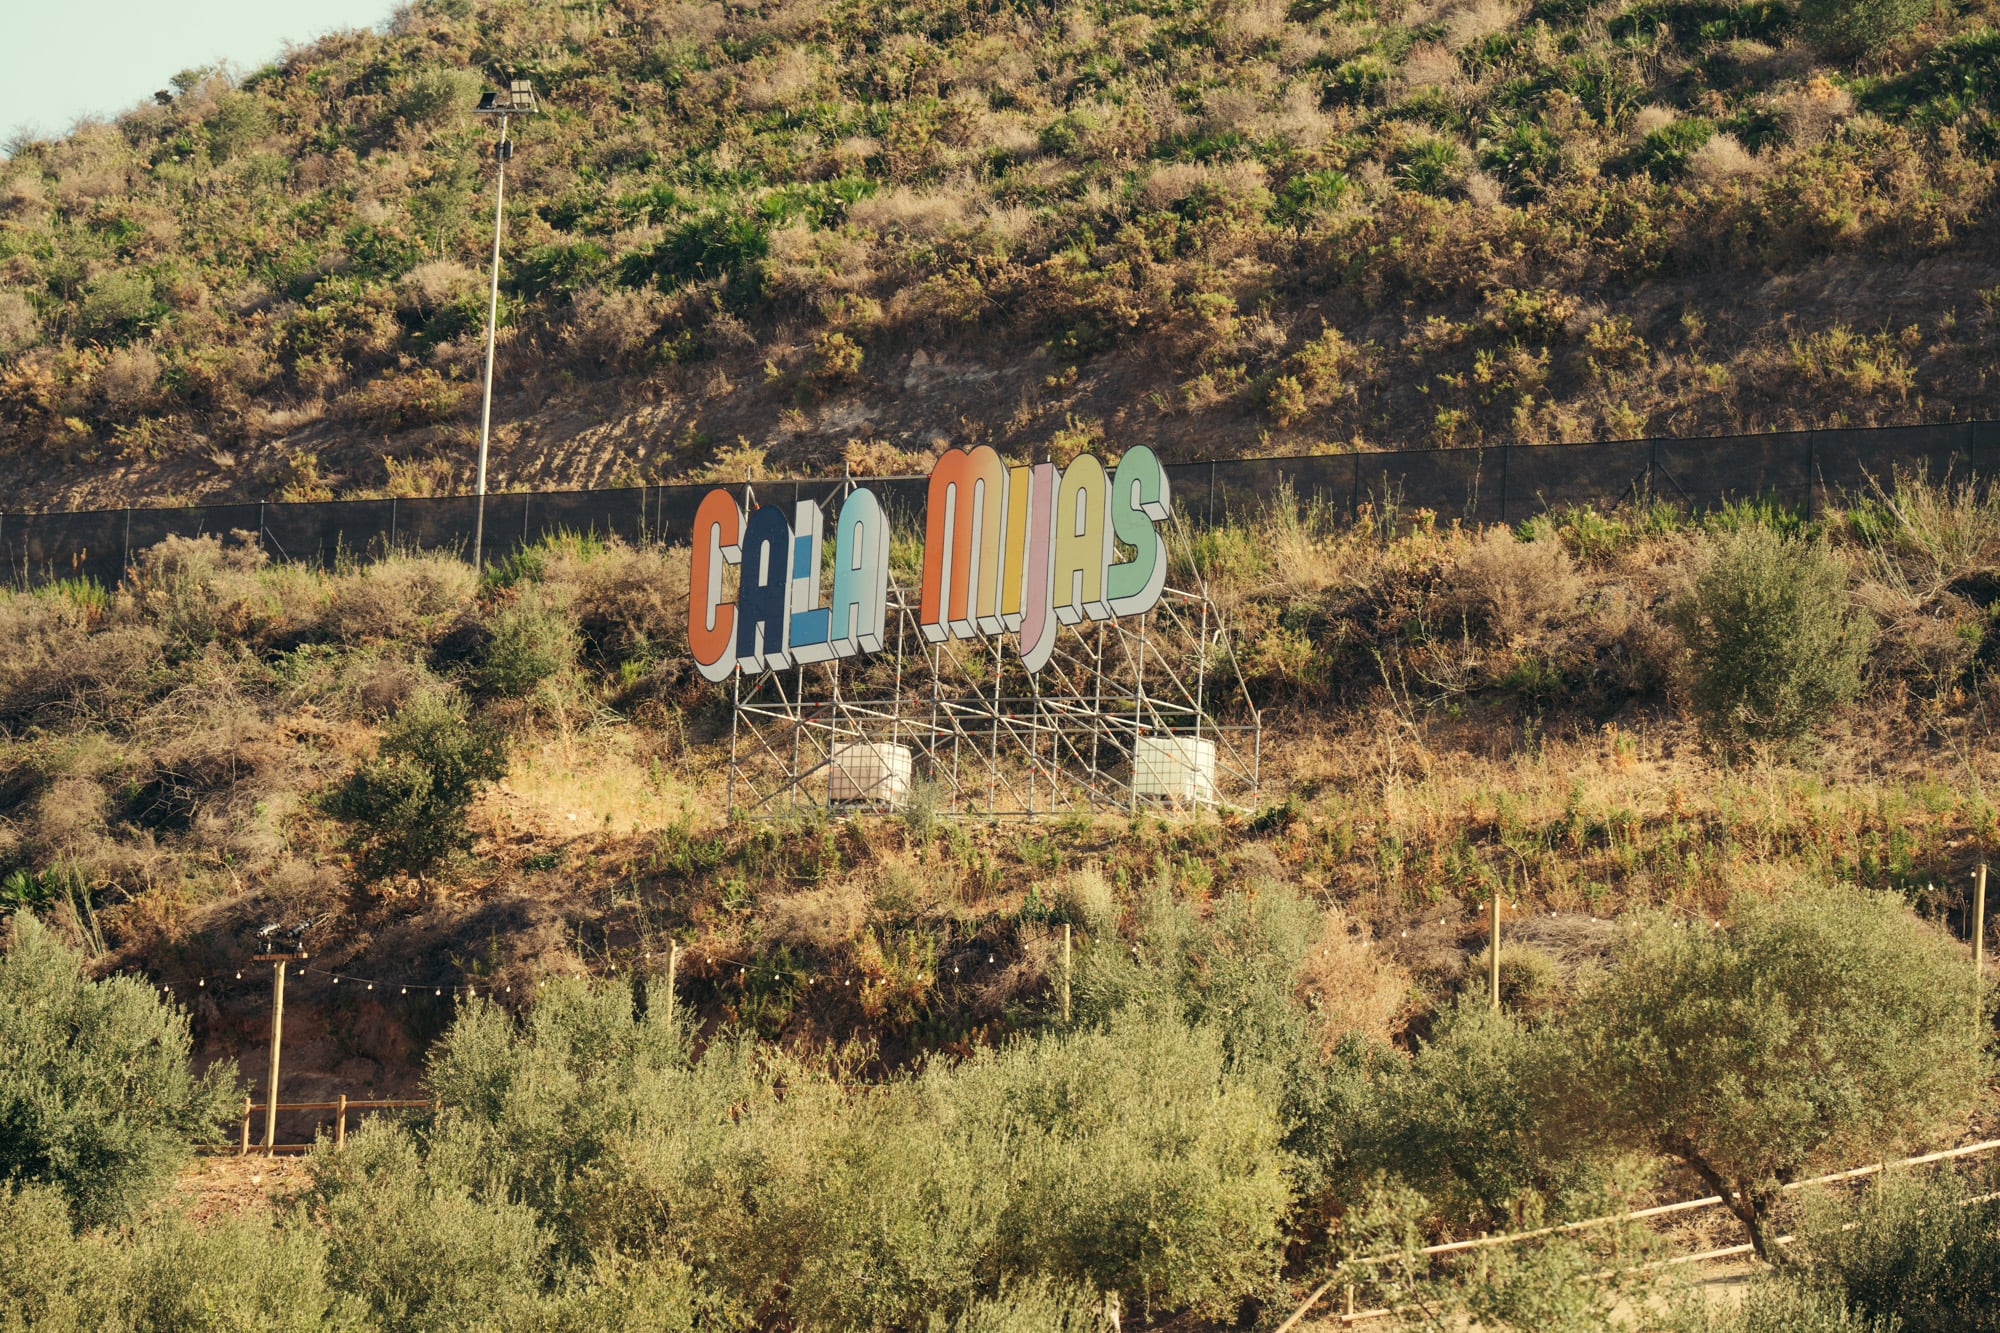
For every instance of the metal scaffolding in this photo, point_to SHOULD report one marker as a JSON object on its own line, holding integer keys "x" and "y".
{"x": 1151, "y": 709}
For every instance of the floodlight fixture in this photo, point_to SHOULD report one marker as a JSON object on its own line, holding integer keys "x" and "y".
{"x": 518, "y": 100}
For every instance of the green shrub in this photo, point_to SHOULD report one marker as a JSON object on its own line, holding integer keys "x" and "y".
{"x": 1773, "y": 641}
{"x": 1455, "y": 1121}
{"x": 1129, "y": 1158}
{"x": 1664, "y": 153}
{"x": 1037, "y": 1306}
{"x": 434, "y": 94}
{"x": 1784, "y": 1305}
{"x": 408, "y": 804}
{"x": 45, "y": 1275}
{"x": 1826, "y": 1025}
{"x": 118, "y": 305}
{"x": 531, "y": 641}
{"x": 416, "y": 1246}
{"x": 1922, "y": 1250}
{"x": 1848, "y": 27}
{"x": 231, "y": 1274}
{"x": 96, "y": 1093}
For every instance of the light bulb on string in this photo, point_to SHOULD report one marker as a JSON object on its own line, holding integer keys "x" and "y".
{"x": 239, "y": 976}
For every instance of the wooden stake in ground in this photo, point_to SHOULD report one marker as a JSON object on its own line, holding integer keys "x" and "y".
{"x": 673, "y": 957}
{"x": 1979, "y": 925}
{"x": 1493, "y": 952}
{"x": 277, "y": 961}
{"x": 1065, "y": 991}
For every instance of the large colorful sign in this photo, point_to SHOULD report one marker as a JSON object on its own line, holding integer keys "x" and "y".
{"x": 1007, "y": 550}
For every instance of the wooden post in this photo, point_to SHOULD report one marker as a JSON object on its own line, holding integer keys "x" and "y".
{"x": 1493, "y": 951}
{"x": 277, "y": 1040}
{"x": 673, "y": 959}
{"x": 1065, "y": 979}
{"x": 1979, "y": 923}
{"x": 243, "y": 1148}
{"x": 340, "y": 1124}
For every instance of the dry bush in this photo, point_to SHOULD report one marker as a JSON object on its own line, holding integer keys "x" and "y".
{"x": 1810, "y": 112}
{"x": 402, "y": 400}
{"x": 69, "y": 818}
{"x": 1429, "y": 66}
{"x": 19, "y": 328}
{"x": 825, "y": 919}
{"x": 406, "y": 598}
{"x": 786, "y": 80}
{"x": 1650, "y": 118}
{"x": 630, "y": 603}
{"x": 615, "y": 329}
{"x": 1480, "y": 20}
{"x": 1514, "y": 588}
{"x": 22, "y": 194}
{"x": 59, "y": 666}
{"x": 1087, "y": 898}
{"x": 430, "y": 287}
{"x": 1723, "y": 158}
{"x": 905, "y": 212}
{"x": 196, "y": 588}
{"x": 1351, "y": 985}
{"x": 1168, "y": 185}
{"x": 1533, "y": 982}
{"x": 128, "y": 380}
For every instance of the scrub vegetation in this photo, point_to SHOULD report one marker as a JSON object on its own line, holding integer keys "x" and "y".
{"x": 1734, "y": 949}
{"x": 807, "y": 232}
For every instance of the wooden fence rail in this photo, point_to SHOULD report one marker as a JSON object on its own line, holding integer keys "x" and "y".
{"x": 340, "y": 1106}
{"x": 1352, "y": 1316}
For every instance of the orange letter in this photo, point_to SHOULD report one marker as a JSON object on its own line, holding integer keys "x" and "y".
{"x": 718, "y": 532}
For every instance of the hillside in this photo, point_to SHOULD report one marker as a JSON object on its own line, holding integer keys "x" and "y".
{"x": 782, "y": 236}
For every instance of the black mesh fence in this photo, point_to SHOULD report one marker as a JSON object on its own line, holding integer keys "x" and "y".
{"x": 1504, "y": 484}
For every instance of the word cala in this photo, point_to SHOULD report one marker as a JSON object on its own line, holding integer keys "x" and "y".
{"x": 1007, "y": 550}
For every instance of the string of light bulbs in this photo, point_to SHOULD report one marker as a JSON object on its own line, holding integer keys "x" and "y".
{"x": 403, "y": 988}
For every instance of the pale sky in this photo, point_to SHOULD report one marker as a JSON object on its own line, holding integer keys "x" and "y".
{"x": 61, "y": 59}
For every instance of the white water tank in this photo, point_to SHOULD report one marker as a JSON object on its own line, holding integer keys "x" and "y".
{"x": 1174, "y": 768}
{"x": 870, "y": 771}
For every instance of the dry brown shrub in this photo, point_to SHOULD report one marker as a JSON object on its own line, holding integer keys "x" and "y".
{"x": 786, "y": 80}
{"x": 406, "y": 597}
{"x": 615, "y": 329}
{"x": 1430, "y": 67}
{"x": 1723, "y": 158}
{"x": 1533, "y": 982}
{"x": 1811, "y": 111}
{"x": 195, "y": 588}
{"x": 22, "y": 194}
{"x": 1514, "y": 588}
{"x": 429, "y": 287}
{"x": 1651, "y": 118}
{"x": 58, "y": 665}
{"x": 1477, "y": 21}
{"x": 19, "y": 328}
{"x": 128, "y": 379}
{"x": 905, "y": 212}
{"x": 1352, "y": 986}
{"x": 69, "y": 817}
{"x": 824, "y": 919}
{"x": 630, "y": 603}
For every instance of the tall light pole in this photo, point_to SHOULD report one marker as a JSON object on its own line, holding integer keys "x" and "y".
{"x": 518, "y": 100}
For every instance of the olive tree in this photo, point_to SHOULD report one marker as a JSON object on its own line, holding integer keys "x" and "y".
{"x": 96, "y": 1094}
{"x": 407, "y": 806}
{"x": 1773, "y": 641}
{"x": 1831, "y": 1023}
